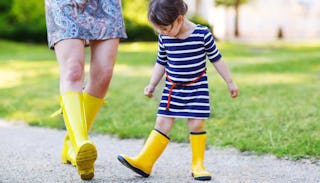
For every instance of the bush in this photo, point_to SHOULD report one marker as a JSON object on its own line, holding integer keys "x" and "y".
{"x": 139, "y": 32}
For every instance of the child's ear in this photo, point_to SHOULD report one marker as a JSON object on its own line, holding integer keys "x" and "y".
{"x": 180, "y": 19}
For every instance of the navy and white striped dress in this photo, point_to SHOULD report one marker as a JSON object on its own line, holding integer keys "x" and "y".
{"x": 185, "y": 63}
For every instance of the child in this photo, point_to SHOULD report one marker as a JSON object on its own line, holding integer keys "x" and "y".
{"x": 183, "y": 47}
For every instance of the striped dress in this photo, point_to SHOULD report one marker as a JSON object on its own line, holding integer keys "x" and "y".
{"x": 185, "y": 66}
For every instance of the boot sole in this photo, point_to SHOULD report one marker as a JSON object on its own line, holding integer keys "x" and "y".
{"x": 128, "y": 165}
{"x": 85, "y": 159}
{"x": 201, "y": 178}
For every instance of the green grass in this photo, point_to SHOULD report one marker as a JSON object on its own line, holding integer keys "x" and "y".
{"x": 277, "y": 111}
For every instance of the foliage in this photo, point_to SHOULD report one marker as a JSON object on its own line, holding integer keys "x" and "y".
{"x": 5, "y": 6}
{"x": 24, "y": 21}
{"x": 200, "y": 20}
{"x": 136, "y": 21}
{"x": 135, "y": 11}
{"x": 139, "y": 32}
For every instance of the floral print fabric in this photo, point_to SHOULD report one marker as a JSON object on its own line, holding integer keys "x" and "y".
{"x": 84, "y": 19}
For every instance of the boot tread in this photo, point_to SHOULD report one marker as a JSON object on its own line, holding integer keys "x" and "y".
{"x": 85, "y": 159}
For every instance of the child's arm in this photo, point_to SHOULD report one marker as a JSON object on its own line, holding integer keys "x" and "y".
{"x": 224, "y": 72}
{"x": 157, "y": 74}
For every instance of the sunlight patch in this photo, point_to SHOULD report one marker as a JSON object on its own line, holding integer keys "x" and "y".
{"x": 271, "y": 78}
{"x": 126, "y": 70}
{"x": 10, "y": 79}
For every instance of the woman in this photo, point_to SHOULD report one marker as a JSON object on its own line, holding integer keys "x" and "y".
{"x": 72, "y": 25}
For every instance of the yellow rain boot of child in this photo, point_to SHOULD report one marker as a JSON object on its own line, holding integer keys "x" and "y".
{"x": 85, "y": 152}
{"x": 92, "y": 106}
{"x": 198, "y": 145}
{"x": 142, "y": 163}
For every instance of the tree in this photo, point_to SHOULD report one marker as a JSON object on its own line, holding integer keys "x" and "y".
{"x": 236, "y": 4}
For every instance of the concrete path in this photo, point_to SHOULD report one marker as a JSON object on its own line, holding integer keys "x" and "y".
{"x": 32, "y": 154}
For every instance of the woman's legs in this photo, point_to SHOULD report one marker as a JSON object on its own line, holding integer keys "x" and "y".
{"x": 70, "y": 56}
{"x": 103, "y": 57}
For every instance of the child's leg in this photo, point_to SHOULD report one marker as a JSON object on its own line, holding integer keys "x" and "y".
{"x": 198, "y": 145}
{"x": 164, "y": 124}
{"x": 154, "y": 146}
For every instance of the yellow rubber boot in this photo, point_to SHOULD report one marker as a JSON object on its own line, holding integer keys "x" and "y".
{"x": 74, "y": 118}
{"x": 92, "y": 106}
{"x": 198, "y": 145}
{"x": 142, "y": 163}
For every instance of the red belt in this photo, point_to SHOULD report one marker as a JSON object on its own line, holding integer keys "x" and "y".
{"x": 177, "y": 85}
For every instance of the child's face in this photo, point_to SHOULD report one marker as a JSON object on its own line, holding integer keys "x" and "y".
{"x": 170, "y": 30}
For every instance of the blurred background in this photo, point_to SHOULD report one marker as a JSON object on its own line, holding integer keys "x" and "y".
{"x": 229, "y": 19}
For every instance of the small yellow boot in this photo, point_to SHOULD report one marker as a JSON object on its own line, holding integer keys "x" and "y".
{"x": 142, "y": 163}
{"x": 198, "y": 145}
{"x": 85, "y": 152}
{"x": 92, "y": 106}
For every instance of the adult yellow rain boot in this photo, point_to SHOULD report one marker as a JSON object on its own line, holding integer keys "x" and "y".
{"x": 85, "y": 152}
{"x": 198, "y": 145}
{"x": 142, "y": 163}
{"x": 92, "y": 106}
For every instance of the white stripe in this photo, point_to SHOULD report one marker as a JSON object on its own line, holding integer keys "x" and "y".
{"x": 182, "y": 79}
{"x": 210, "y": 41}
{"x": 207, "y": 35}
{"x": 185, "y": 110}
{"x": 196, "y": 35}
{"x": 192, "y": 84}
{"x": 183, "y": 44}
{"x": 163, "y": 61}
{"x": 188, "y": 98}
{"x": 174, "y": 116}
{"x": 186, "y": 66}
{"x": 185, "y": 73}
{"x": 187, "y": 58}
{"x": 184, "y": 51}
{"x": 214, "y": 56}
{"x": 192, "y": 35}
{"x": 183, "y": 104}
{"x": 213, "y": 45}
{"x": 188, "y": 91}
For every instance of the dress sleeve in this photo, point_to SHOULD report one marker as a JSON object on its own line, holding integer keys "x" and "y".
{"x": 162, "y": 55}
{"x": 210, "y": 47}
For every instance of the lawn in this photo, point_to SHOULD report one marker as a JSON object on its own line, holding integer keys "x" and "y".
{"x": 277, "y": 111}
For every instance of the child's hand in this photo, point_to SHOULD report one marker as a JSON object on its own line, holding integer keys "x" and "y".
{"x": 148, "y": 90}
{"x": 233, "y": 90}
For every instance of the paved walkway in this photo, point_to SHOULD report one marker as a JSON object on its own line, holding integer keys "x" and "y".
{"x": 31, "y": 154}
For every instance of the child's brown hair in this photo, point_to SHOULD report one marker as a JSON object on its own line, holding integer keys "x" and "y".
{"x": 165, "y": 12}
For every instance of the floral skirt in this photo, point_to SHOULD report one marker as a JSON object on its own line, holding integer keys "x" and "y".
{"x": 84, "y": 19}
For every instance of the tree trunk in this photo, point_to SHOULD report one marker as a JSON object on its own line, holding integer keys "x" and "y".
{"x": 236, "y": 26}
{"x": 197, "y": 7}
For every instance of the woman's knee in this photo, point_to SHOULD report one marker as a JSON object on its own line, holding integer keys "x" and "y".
{"x": 73, "y": 70}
